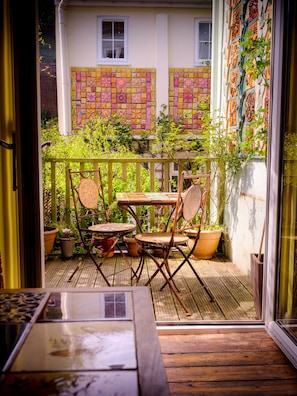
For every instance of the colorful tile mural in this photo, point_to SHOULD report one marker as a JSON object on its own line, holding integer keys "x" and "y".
{"x": 186, "y": 88}
{"x": 127, "y": 92}
{"x": 131, "y": 93}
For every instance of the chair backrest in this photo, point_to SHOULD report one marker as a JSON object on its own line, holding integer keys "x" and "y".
{"x": 194, "y": 200}
{"x": 88, "y": 197}
{"x": 188, "y": 206}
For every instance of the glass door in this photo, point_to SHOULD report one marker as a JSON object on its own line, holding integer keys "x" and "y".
{"x": 286, "y": 304}
{"x": 281, "y": 248}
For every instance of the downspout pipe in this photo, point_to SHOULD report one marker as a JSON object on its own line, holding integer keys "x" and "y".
{"x": 64, "y": 90}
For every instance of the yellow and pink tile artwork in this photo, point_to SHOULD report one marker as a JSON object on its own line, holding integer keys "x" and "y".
{"x": 187, "y": 87}
{"x": 131, "y": 94}
{"x": 100, "y": 92}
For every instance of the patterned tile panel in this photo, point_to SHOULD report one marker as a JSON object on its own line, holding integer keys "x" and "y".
{"x": 186, "y": 88}
{"x": 128, "y": 92}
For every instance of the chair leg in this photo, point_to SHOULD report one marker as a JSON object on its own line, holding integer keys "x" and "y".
{"x": 186, "y": 259}
{"x": 137, "y": 273}
{"x": 167, "y": 280}
{"x": 133, "y": 273}
{"x": 96, "y": 264}
{"x": 165, "y": 262}
{"x": 76, "y": 269}
{"x": 173, "y": 289}
{"x": 170, "y": 275}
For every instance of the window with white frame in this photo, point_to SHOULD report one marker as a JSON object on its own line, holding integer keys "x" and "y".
{"x": 112, "y": 39}
{"x": 203, "y": 41}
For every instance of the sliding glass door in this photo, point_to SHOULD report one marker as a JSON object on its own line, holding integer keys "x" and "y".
{"x": 286, "y": 304}
{"x": 281, "y": 249}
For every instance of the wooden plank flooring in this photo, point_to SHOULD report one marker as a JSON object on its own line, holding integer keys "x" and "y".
{"x": 230, "y": 363}
{"x": 230, "y": 287}
{"x": 200, "y": 362}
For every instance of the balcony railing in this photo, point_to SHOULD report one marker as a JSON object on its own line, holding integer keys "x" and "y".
{"x": 120, "y": 175}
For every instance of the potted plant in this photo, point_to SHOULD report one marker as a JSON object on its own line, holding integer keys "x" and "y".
{"x": 49, "y": 233}
{"x": 208, "y": 242}
{"x": 102, "y": 246}
{"x": 219, "y": 154}
{"x": 131, "y": 245}
{"x": 67, "y": 238}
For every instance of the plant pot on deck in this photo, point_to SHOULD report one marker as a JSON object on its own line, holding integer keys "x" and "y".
{"x": 207, "y": 244}
{"x": 132, "y": 246}
{"x": 67, "y": 246}
{"x": 50, "y": 234}
{"x": 104, "y": 244}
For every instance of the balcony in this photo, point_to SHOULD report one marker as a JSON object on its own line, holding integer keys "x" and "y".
{"x": 231, "y": 288}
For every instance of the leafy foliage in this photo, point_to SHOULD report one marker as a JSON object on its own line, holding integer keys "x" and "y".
{"x": 101, "y": 139}
{"x": 255, "y": 140}
{"x": 219, "y": 148}
{"x": 257, "y": 54}
{"x": 170, "y": 136}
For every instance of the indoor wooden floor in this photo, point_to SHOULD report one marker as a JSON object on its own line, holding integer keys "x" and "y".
{"x": 229, "y": 363}
{"x": 230, "y": 287}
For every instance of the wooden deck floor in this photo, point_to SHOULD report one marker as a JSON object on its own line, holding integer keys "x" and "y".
{"x": 226, "y": 364}
{"x": 201, "y": 362}
{"x": 230, "y": 287}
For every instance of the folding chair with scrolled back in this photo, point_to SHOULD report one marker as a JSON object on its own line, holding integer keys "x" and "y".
{"x": 92, "y": 217}
{"x": 192, "y": 216}
{"x": 188, "y": 206}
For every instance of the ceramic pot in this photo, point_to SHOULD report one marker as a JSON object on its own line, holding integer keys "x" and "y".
{"x": 132, "y": 246}
{"x": 207, "y": 244}
{"x": 106, "y": 245}
{"x": 50, "y": 234}
{"x": 67, "y": 245}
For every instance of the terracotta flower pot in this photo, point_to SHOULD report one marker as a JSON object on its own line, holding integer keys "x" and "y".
{"x": 106, "y": 245}
{"x": 50, "y": 234}
{"x": 207, "y": 244}
{"x": 132, "y": 246}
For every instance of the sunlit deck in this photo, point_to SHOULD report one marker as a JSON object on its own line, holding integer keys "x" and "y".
{"x": 230, "y": 287}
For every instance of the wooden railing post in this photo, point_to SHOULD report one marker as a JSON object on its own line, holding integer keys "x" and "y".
{"x": 53, "y": 193}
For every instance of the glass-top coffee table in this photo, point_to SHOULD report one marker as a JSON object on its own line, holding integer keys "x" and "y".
{"x": 80, "y": 341}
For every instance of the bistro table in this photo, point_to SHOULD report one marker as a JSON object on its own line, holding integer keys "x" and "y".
{"x": 80, "y": 341}
{"x": 128, "y": 201}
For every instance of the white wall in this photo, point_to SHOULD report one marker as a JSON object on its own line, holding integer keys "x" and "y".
{"x": 246, "y": 214}
{"x": 82, "y": 35}
{"x": 158, "y": 38}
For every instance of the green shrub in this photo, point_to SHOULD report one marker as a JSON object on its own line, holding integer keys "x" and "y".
{"x": 101, "y": 139}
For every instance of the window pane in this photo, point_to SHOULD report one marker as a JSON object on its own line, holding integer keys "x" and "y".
{"x": 107, "y": 51}
{"x": 203, "y": 34}
{"x": 204, "y": 31}
{"x": 106, "y": 30}
{"x": 204, "y": 50}
{"x": 119, "y": 49}
{"x": 119, "y": 30}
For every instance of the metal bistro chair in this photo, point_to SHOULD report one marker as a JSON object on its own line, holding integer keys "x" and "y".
{"x": 188, "y": 206}
{"x": 92, "y": 217}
